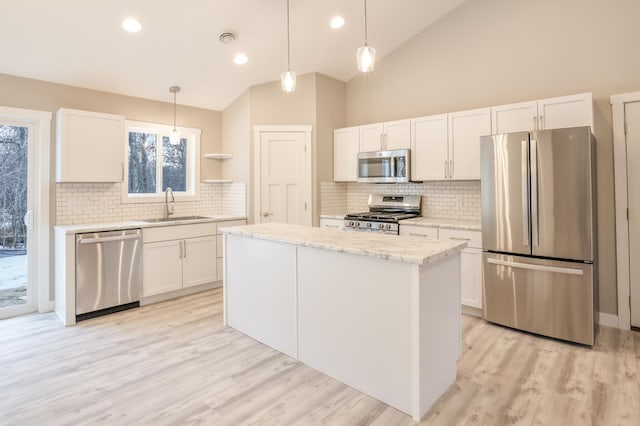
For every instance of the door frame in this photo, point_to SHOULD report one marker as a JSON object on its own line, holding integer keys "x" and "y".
{"x": 39, "y": 174}
{"x": 621, "y": 201}
{"x": 257, "y": 178}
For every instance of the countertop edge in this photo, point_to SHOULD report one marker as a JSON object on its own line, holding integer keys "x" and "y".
{"x": 131, "y": 224}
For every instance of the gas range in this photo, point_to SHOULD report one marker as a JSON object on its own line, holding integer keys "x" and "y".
{"x": 385, "y": 213}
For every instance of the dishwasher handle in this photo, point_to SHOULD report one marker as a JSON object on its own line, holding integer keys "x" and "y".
{"x": 105, "y": 239}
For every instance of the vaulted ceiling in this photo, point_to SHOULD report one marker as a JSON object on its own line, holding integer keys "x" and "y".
{"x": 81, "y": 42}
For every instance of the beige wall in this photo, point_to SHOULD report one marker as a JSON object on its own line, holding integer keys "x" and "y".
{"x": 492, "y": 52}
{"x": 27, "y": 93}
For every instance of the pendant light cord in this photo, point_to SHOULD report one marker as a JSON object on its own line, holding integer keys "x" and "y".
{"x": 174, "y": 110}
{"x": 288, "y": 40}
{"x": 365, "y": 22}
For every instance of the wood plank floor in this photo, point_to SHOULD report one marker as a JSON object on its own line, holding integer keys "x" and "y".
{"x": 175, "y": 363}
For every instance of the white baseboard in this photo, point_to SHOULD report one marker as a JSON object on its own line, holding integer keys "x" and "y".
{"x": 609, "y": 320}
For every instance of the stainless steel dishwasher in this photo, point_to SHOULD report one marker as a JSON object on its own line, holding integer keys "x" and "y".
{"x": 108, "y": 272}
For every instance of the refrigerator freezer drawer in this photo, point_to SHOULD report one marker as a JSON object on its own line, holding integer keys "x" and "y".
{"x": 548, "y": 297}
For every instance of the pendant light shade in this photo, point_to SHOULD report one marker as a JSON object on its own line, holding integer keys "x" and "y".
{"x": 174, "y": 137}
{"x": 288, "y": 77}
{"x": 366, "y": 55}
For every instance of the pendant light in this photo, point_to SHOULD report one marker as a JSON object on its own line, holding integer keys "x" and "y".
{"x": 366, "y": 55}
{"x": 288, "y": 77}
{"x": 174, "y": 137}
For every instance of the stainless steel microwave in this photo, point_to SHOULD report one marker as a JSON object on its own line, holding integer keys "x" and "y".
{"x": 384, "y": 166}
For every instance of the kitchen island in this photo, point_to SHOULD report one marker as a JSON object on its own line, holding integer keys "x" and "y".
{"x": 379, "y": 313}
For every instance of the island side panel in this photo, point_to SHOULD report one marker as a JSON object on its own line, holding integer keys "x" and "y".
{"x": 354, "y": 322}
{"x": 260, "y": 291}
{"x": 439, "y": 329}
{"x": 65, "y": 276}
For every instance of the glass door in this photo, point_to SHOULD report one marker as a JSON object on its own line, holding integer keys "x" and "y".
{"x": 17, "y": 295}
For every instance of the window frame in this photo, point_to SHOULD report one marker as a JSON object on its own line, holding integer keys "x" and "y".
{"x": 193, "y": 162}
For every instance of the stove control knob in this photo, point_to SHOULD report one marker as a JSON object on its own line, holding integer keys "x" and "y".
{"x": 368, "y": 224}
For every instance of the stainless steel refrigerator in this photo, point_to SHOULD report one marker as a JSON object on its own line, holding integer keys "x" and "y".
{"x": 539, "y": 232}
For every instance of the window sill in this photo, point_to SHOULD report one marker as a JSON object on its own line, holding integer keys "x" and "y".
{"x": 140, "y": 199}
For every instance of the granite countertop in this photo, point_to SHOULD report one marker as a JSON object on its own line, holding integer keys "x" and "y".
{"x": 99, "y": 227}
{"x": 405, "y": 249}
{"x": 432, "y": 222}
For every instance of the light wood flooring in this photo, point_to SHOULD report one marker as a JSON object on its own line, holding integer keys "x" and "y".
{"x": 175, "y": 363}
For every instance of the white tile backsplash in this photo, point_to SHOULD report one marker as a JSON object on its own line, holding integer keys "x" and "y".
{"x": 441, "y": 199}
{"x": 79, "y": 203}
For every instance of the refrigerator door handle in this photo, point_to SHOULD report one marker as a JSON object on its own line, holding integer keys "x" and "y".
{"x": 525, "y": 194}
{"x": 534, "y": 267}
{"x": 534, "y": 193}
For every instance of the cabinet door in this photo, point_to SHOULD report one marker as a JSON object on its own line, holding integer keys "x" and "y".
{"x": 346, "y": 145}
{"x": 429, "y": 147}
{"x": 162, "y": 270}
{"x": 397, "y": 135}
{"x": 470, "y": 265}
{"x": 465, "y": 129}
{"x": 520, "y": 117}
{"x": 566, "y": 111}
{"x": 419, "y": 231}
{"x": 471, "y": 277}
{"x": 331, "y": 223}
{"x": 199, "y": 261}
{"x": 90, "y": 146}
{"x": 371, "y": 137}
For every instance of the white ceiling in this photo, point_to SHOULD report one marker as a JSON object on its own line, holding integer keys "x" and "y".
{"x": 81, "y": 43}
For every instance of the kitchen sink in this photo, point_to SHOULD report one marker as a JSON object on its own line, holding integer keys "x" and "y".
{"x": 174, "y": 219}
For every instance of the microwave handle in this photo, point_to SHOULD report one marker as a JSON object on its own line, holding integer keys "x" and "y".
{"x": 393, "y": 165}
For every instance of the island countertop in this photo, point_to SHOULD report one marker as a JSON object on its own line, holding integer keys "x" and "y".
{"x": 405, "y": 249}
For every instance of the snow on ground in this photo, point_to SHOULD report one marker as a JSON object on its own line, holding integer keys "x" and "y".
{"x": 13, "y": 277}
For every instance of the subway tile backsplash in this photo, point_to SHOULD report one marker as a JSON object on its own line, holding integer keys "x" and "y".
{"x": 442, "y": 199}
{"x": 79, "y": 203}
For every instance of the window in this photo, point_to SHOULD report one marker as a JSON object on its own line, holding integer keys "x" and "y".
{"x": 154, "y": 164}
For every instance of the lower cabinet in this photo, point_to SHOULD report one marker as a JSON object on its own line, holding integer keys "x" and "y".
{"x": 331, "y": 223}
{"x": 219, "y": 251}
{"x": 177, "y": 257}
{"x": 470, "y": 258}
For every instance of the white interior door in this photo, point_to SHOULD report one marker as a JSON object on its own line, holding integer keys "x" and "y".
{"x": 632, "y": 118}
{"x": 285, "y": 179}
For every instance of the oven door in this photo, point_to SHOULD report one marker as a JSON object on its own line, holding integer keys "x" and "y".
{"x": 384, "y": 166}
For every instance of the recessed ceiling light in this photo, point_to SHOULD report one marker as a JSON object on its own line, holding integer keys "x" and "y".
{"x": 240, "y": 59}
{"x": 131, "y": 25}
{"x": 337, "y": 22}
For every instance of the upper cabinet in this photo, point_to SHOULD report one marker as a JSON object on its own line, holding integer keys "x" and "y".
{"x": 429, "y": 147}
{"x": 552, "y": 113}
{"x": 346, "y": 144}
{"x": 385, "y": 136}
{"x": 465, "y": 129}
{"x": 89, "y": 146}
{"x": 447, "y": 146}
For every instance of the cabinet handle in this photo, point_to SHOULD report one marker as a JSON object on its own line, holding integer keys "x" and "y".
{"x": 417, "y": 235}
{"x": 184, "y": 244}
{"x": 535, "y": 123}
{"x": 541, "y": 122}
{"x": 460, "y": 238}
{"x": 445, "y": 169}
{"x": 122, "y": 174}
{"x": 451, "y": 169}
{"x": 331, "y": 226}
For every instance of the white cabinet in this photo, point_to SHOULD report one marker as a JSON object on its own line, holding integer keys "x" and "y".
{"x": 219, "y": 241}
{"x": 470, "y": 258}
{"x": 419, "y": 231}
{"x": 346, "y": 145}
{"x": 429, "y": 147}
{"x": 177, "y": 257}
{"x": 470, "y": 265}
{"x": 552, "y": 113}
{"x": 465, "y": 129}
{"x": 331, "y": 223}
{"x": 385, "y": 136}
{"x": 90, "y": 146}
{"x": 447, "y": 146}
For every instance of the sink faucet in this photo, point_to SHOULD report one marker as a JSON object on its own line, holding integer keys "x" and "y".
{"x": 168, "y": 210}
